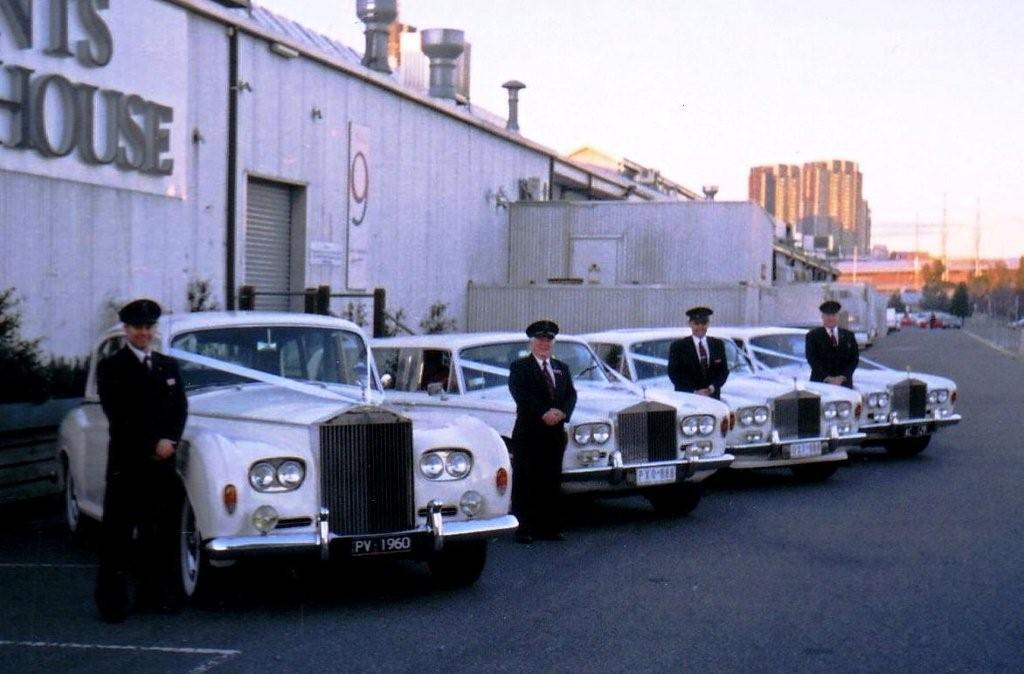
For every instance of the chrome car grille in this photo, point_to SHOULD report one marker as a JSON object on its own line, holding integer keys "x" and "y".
{"x": 909, "y": 398}
{"x": 798, "y": 415}
{"x": 647, "y": 432}
{"x": 366, "y": 472}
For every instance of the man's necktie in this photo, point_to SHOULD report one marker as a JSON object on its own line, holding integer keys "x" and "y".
{"x": 549, "y": 379}
{"x": 703, "y": 354}
{"x": 148, "y": 362}
{"x": 832, "y": 338}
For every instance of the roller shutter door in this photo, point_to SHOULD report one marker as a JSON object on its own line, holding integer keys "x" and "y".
{"x": 268, "y": 243}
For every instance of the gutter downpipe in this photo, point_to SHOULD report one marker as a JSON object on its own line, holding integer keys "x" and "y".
{"x": 232, "y": 162}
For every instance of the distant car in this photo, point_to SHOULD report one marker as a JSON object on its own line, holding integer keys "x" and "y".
{"x": 907, "y": 321}
{"x": 660, "y": 445}
{"x": 902, "y": 410}
{"x": 1017, "y": 324}
{"x": 804, "y": 427}
{"x": 288, "y": 450}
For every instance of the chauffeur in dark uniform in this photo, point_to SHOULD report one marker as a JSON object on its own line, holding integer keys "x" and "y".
{"x": 832, "y": 351}
{"x": 545, "y": 397}
{"x": 144, "y": 400}
{"x": 697, "y": 364}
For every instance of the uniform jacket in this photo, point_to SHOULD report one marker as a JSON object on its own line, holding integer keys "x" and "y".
{"x": 526, "y": 382}
{"x": 142, "y": 406}
{"x": 684, "y": 366}
{"x": 826, "y": 361}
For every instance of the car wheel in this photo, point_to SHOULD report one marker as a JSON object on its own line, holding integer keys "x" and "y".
{"x": 815, "y": 472}
{"x": 459, "y": 564}
{"x": 906, "y": 447}
{"x": 72, "y": 512}
{"x": 675, "y": 501}
{"x": 195, "y": 569}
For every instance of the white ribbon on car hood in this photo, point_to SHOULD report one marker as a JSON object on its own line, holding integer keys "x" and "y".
{"x": 315, "y": 390}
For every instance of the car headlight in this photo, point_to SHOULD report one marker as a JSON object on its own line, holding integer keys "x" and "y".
{"x": 873, "y": 399}
{"x": 282, "y": 474}
{"x": 432, "y": 465}
{"x": 582, "y": 434}
{"x": 941, "y": 395}
{"x": 760, "y": 415}
{"x": 829, "y": 411}
{"x": 446, "y": 464}
{"x": 598, "y": 433}
{"x": 883, "y": 399}
{"x": 706, "y": 425}
{"x": 290, "y": 474}
{"x": 689, "y": 425}
{"x": 458, "y": 464}
{"x": 844, "y": 409}
{"x": 746, "y": 416}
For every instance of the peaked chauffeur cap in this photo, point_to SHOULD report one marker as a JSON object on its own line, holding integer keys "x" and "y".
{"x": 542, "y": 328}
{"x": 140, "y": 312}
{"x": 698, "y": 313}
{"x": 830, "y": 307}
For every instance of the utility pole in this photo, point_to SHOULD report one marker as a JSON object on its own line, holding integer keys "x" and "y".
{"x": 945, "y": 239}
{"x": 977, "y": 239}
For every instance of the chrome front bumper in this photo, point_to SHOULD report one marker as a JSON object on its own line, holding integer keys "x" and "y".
{"x": 430, "y": 536}
{"x": 906, "y": 428}
{"x": 623, "y": 477}
{"x": 775, "y": 453}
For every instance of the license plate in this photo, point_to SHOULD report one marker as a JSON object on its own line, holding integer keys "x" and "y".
{"x": 799, "y": 449}
{"x": 655, "y": 475}
{"x": 381, "y": 545}
{"x": 916, "y": 430}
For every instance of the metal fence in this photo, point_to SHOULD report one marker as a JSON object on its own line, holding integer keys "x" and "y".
{"x": 996, "y": 330}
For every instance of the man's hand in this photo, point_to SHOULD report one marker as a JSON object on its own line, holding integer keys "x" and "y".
{"x": 703, "y": 391}
{"x": 553, "y": 416}
{"x": 837, "y": 380}
{"x": 164, "y": 449}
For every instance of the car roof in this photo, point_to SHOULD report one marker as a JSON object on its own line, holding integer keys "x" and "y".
{"x": 174, "y": 324}
{"x": 458, "y": 340}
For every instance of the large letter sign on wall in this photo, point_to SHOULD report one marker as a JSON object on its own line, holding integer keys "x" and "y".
{"x": 358, "y": 207}
{"x": 77, "y": 106}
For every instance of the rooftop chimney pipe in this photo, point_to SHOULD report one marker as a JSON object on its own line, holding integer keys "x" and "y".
{"x": 710, "y": 191}
{"x": 378, "y": 16}
{"x": 513, "y": 87}
{"x": 443, "y": 46}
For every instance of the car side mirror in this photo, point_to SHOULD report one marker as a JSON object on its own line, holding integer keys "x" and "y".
{"x": 387, "y": 381}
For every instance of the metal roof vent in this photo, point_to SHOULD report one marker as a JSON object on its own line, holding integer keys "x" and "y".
{"x": 378, "y": 16}
{"x": 513, "y": 87}
{"x": 710, "y": 191}
{"x": 443, "y": 46}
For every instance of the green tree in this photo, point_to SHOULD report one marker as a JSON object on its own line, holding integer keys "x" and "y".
{"x": 959, "y": 304}
{"x": 896, "y": 302}
{"x": 20, "y": 367}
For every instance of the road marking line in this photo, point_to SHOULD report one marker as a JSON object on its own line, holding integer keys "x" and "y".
{"x": 32, "y": 565}
{"x": 223, "y": 655}
{"x": 997, "y": 347}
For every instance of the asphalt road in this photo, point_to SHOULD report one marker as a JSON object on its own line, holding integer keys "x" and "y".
{"x": 910, "y": 565}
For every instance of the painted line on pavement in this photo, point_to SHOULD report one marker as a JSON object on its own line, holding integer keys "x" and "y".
{"x": 33, "y": 565}
{"x": 1002, "y": 349}
{"x": 222, "y": 655}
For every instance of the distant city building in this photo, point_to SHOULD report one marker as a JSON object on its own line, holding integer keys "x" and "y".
{"x": 822, "y": 201}
{"x": 904, "y": 270}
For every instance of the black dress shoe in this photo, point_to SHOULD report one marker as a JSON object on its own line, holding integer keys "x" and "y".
{"x": 523, "y": 537}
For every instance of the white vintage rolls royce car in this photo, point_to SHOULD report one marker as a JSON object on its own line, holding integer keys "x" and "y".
{"x": 902, "y": 409}
{"x": 289, "y": 450}
{"x": 662, "y": 445}
{"x": 805, "y": 427}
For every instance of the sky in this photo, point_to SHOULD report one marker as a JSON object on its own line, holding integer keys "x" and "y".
{"x": 927, "y": 96}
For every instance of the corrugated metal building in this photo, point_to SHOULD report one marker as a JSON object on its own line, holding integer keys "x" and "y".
{"x": 153, "y": 143}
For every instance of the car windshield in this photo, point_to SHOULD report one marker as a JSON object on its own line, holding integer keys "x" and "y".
{"x": 779, "y": 350}
{"x": 487, "y": 366}
{"x": 650, "y": 359}
{"x": 308, "y": 354}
